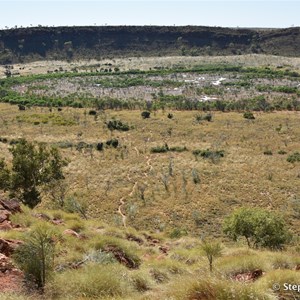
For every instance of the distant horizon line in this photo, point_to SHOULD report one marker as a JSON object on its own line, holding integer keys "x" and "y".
{"x": 145, "y": 25}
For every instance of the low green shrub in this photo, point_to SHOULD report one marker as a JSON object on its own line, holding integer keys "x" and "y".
{"x": 112, "y": 143}
{"x": 209, "y": 154}
{"x": 295, "y": 157}
{"x": 282, "y": 152}
{"x": 160, "y": 149}
{"x": 178, "y": 149}
{"x": 117, "y": 125}
{"x": 206, "y": 117}
{"x": 249, "y": 115}
{"x": 145, "y": 114}
{"x": 268, "y": 152}
{"x": 165, "y": 148}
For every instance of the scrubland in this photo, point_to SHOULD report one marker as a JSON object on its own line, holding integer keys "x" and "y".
{"x": 166, "y": 187}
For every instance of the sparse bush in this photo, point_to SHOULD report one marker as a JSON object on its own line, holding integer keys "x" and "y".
{"x": 72, "y": 205}
{"x": 117, "y": 125}
{"x": 145, "y": 114}
{"x": 295, "y": 157}
{"x": 249, "y": 115}
{"x": 160, "y": 149}
{"x": 92, "y": 113}
{"x": 177, "y": 233}
{"x": 206, "y": 117}
{"x": 282, "y": 152}
{"x": 166, "y": 148}
{"x": 170, "y": 116}
{"x": 212, "y": 250}
{"x": 268, "y": 152}
{"x": 3, "y": 140}
{"x": 195, "y": 175}
{"x": 36, "y": 256}
{"x": 178, "y": 149}
{"x": 99, "y": 146}
{"x": 112, "y": 143}
{"x": 214, "y": 156}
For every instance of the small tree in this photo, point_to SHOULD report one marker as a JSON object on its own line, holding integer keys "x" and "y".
{"x": 4, "y": 175}
{"x": 33, "y": 166}
{"x": 36, "y": 256}
{"x": 212, "y": 250}
{"x": 260, "y": 227}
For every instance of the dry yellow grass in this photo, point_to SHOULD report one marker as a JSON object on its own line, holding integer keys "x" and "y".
{"x": 244, "y": 177}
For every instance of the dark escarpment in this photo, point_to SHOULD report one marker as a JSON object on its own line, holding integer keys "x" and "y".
{"x": 37, "y": 43}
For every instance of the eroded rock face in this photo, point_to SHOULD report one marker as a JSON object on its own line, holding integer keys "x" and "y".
{"x": 7, "y": 208}
{"x": 6, "y": 225}
{"x": 4, "y": 215}
{"x": 7, "y": 247}
{"x": 12, "y": 205}
{"x": 11, "y": 278}
{"x": 5, "y": 263}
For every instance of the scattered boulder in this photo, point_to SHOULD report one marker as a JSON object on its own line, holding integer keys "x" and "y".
{"x": 121, "y": 256}
{"x": 71, "y": 233}
{"x": 4, "y": 215}
{"x": 6, "y": 225}
{"x": 256, "y": 274}
{"x": 5, "y": 263}
{"x": 152, "y": 241}
{"x": 42, "y": 216}
{"x": 131, "y": 237}
{"x": 164, "y": 249}
{"x": 249, "y": 276}
{"x": 7, "y": 247}
{"x": 21, "y": 107}
{"x": 11, "y": 205}
{"x": 58, "y": 221}
{"x": 112, "y": 143}
{"x": 7, "y": 207}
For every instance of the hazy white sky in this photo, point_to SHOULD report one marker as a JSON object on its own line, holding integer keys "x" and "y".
{"x": 242, "y": 13}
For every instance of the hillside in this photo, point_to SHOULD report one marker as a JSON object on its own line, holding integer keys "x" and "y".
{"x": 73, "y": 43}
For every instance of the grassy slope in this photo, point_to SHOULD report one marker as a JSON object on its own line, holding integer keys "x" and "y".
{"x": 181, "y": 274}
{"x": 245, "y": 176}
